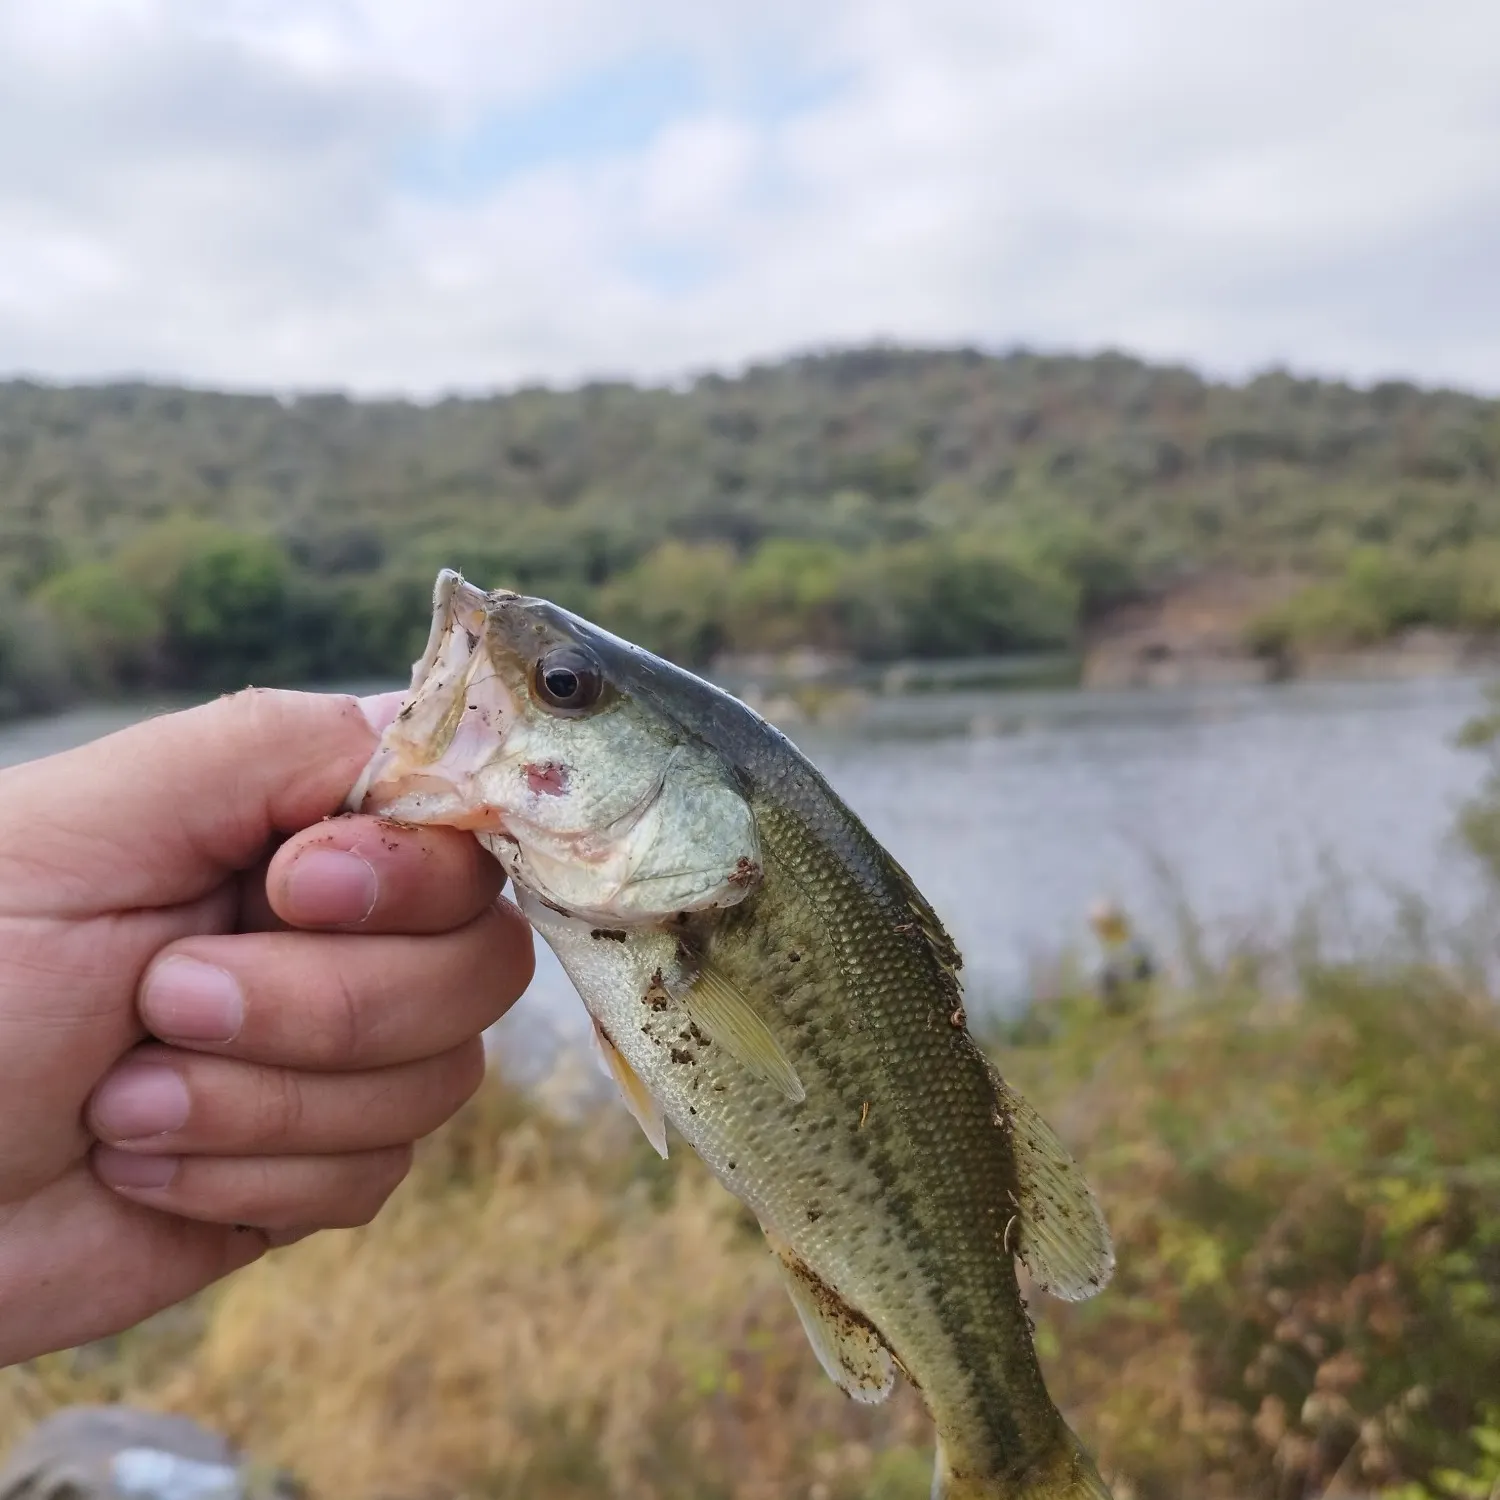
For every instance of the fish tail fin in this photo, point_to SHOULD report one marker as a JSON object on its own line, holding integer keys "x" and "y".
{"x": 1068, "y": 1473}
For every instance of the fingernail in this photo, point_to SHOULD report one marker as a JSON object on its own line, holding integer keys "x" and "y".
{"x": 126, "y": 1169}
{"x": 380, "y": 710}
{"x": 189, "y": 1001}
{"x": 330, "y": 888}
{"x": 139, "y": 1100}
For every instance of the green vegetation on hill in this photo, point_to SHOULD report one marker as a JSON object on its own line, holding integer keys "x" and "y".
{"x": 881, "y": 501}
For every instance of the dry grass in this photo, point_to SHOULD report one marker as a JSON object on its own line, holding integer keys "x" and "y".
{"x": 1304, "y": 1197}
{"x": 543, "y": 1309}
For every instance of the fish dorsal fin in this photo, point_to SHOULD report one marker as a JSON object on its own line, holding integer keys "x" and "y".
{"x": 926, "y": 921}
{"x": 719, "y": 1008}
{"x": 637, "y": 1096}
{"x": 1060, "y": 1233}
{"x": 852, "y": 1353}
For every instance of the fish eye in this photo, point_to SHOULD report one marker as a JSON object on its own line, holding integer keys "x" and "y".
{"x": 568, "y": 679}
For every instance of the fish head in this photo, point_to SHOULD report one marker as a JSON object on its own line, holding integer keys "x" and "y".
{"x": 527, "y": 726}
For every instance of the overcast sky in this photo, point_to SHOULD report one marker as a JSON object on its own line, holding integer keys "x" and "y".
{"x": 419, "y": 195}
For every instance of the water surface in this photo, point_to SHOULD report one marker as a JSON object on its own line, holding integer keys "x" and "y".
{"x": 1015, "y": 811}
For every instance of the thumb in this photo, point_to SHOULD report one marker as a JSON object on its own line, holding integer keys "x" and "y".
{"x": 160, "y": 813}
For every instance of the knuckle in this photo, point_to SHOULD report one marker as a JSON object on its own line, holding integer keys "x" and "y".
{"x": 255, "y": 713}
{"x": 279, "y": 1109}
{"x": 227, "y": 1190}
{"x": 341, "y": 1032}
{"x": 468, "y": 1073}
{"x": 391, "y": 1170}
{"x": 507, "y": 954}
{"x": 373, "y": 1182}
{"x": 264, "y": 1181}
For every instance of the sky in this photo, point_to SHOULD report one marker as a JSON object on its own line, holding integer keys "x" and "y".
{"x": 396, "y": 197}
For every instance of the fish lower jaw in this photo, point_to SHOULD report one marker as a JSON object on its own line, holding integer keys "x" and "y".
{"x": 546, "y": 908}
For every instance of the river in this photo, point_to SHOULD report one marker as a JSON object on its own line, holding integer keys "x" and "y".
{"x": 1014, "y": 811}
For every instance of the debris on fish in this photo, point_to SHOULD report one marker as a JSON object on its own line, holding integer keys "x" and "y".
{"x": 765, "y": 977}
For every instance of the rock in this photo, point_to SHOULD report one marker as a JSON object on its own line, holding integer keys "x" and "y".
{"x": 121, "y": 1453}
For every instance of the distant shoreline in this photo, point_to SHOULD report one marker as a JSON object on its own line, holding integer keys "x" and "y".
{"x": 810, "y": 685}
{"x": 1202, "y": 632}
{"x": 807, "y": 685}
{"x": 1198, "y": 632}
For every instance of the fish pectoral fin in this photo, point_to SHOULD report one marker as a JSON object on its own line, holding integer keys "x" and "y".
{"x": 717, "y": 1006}
{"x": 1061, "y": 1236}
{"x": 637, "y": 1097}
{"x": 852, "y": 1353}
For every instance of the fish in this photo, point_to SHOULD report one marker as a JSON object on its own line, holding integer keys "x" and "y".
{"x": 763, "y": 975}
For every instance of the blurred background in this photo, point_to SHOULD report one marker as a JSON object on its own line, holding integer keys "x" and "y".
{"x": 1075, "y": 423}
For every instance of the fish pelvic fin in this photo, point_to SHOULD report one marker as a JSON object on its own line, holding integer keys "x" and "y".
{"x": 1060, "y": 1233}
{"x": 1066, "y": 1474}
{"x": 851, "y": 1352}
{"x": 638, "y": 1098}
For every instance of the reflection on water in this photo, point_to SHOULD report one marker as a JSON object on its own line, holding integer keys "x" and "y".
{"x": 1014, "y": 811}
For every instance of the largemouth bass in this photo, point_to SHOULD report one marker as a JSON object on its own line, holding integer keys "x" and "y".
{"x": 762, "y": 974}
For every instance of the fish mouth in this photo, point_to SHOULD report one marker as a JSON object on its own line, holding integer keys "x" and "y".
{"x": 456, "y": 717}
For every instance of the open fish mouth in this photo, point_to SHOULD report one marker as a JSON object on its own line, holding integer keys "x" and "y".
{"x": 457, "y": 715}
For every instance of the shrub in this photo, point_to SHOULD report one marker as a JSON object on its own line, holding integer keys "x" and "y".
{"x": 34, "y": 674}
{"x": 674, "y": 601}
{"x": 954, "y": 597}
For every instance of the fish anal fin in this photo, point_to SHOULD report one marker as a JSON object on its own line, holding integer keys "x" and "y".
{"x": 851, "y": 1352}
{"x": 637, "y": 1097}
{"x": 717, "y": 1006}
{"x": 1060, "y": 1233}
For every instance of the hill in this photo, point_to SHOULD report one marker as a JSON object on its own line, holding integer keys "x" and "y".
{"x": 882, "y": 501}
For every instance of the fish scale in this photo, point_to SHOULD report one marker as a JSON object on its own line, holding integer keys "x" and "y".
{"x": 795, "y": 1013}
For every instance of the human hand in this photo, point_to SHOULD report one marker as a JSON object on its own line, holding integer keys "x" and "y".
{"x": 164, "y": 989}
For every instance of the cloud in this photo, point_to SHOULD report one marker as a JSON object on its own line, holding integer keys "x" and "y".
{"x": 371, "y": 194}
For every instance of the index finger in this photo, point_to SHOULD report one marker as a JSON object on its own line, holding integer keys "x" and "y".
{"x": 160, "y": 813}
